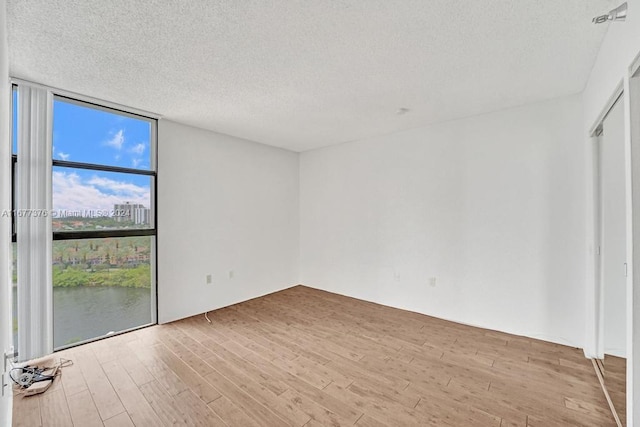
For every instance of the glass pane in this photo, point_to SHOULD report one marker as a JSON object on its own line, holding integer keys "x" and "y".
{"x": 97, "y": 200}
{"x": 83, "y": 133}
{"x": 100, "y": 286}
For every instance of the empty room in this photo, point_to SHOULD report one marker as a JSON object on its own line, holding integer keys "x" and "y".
{"x": 324, "y": 213}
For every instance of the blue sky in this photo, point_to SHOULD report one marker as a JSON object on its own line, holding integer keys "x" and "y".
{"x": 89, "y": 135}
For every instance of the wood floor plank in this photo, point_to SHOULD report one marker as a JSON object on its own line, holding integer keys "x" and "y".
{"x": 190, "y": 359}
{"x": 231, "y": 414}
{"x": 263, "y": 395}
{"x": 54, "y": 409}
{"x": 102, "y": 392}
{"x": 260, "y": 414}
{"x": 451, "y": 412}
{"x": 221, "y": 356}
{"x": 314, "y": 378}
{"x": 72, "y": 379}
{"x": 367, "y": 421}
{"x": 587, "y": 408}
{"x": 386, "y": 411}
{"x": 360, "y": 372}
{"x": 325, "y": 371}
{"x": 317, "y": 413}
{"x": 198, "y": 412}
{"x": 139, "y": 410}
{"x": 136, "y": 370}
{"x": 121, "y": 420}
{"x": 163, "y": 404}
{"x": 156, "y": 367}
{"x": 192, "y": 379}
{"x": 408, "y": 398}
{"x": 305, "y": 389}
{"x": 279, "y": 338}
{"x": 260, "y": 393}
{"x": 83, "y": 411}
{"x": 483, "y": 400}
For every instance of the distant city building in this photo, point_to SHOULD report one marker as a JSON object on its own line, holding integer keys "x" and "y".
{"x": 141, "y": 215}
{"x": 135, "y": 213}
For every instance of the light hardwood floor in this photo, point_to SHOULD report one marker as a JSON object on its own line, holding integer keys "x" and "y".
{"x": 303, "y": 357}
{"x": 615, "y": 378}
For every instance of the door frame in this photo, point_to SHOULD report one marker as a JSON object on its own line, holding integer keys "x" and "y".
{"x": 594, "y": 346}
{"x": 632, "y": 132}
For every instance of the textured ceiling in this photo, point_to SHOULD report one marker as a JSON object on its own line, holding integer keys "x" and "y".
{"x": 305, "y": 74}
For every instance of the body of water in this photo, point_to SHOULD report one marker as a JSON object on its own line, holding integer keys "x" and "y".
{"x": 83, "y": 313}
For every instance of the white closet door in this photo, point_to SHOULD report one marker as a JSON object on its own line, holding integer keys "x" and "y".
{"x": 613, "y": 229}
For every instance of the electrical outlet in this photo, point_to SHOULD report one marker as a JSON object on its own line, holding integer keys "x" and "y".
{"x": 432, "y": 282}
{"x": 231, "y": 274}
{"x": 209, "y": 279}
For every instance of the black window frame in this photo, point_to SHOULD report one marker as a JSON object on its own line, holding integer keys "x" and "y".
{"x": 14, "y": 163}
{"x": 151, "y": 172}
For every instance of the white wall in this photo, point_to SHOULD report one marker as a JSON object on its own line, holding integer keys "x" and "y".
{"x": 5, "y": 203}
{"x": 491, "y": 206}
{"x": 223, "y": 204}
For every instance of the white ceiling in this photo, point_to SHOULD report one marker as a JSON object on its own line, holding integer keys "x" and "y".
{"x": 306, "y": 74}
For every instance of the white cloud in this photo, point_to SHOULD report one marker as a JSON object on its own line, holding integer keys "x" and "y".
{"x": 138, "y": 148}
{"x": 119, "y": 187}
{"x": 116, "y": 141}
{"x": 135, "y": 162}
{"x": 73, "y": 193}
{"x": 63, "y": 156}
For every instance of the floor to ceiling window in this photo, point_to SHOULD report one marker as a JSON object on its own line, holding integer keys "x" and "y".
{"x": 100, "y": 219}
{"x": 14, "y": 159}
